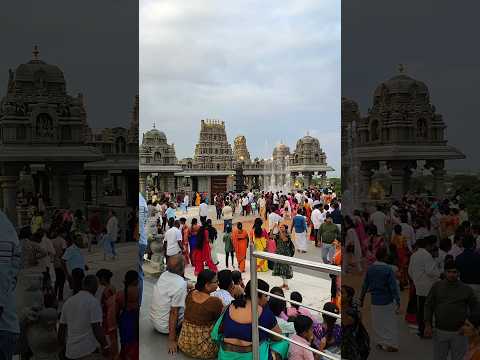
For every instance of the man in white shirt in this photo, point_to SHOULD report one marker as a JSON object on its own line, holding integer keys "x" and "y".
{"x": 317, "y": 219}
{"x": 408, "y": 232}
{"x": 227, "y": 213}
{"x": 299, "y": 197}
{"x": 203, "y": 212}
{"x": 245, "y": 203}
{"x": 186, "y": 202}
{"x": 275, "y": 199}
{"x": 112, "y": 225}
{"x": 81, "y": 323}
{"x": 424, "y": 271}
{"x": 378, "y": 218}
{"x": 173, "y": 238}
{"x": 274, "y": 221}
{"x": 225, "y": 287}
{"x": 168, "y": 300}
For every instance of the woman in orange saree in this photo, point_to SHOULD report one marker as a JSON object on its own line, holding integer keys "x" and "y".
{"x": 240, "y": 243}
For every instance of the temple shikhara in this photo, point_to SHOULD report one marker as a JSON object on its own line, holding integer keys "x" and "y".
{"x": 400, "y": 139}
{"x": 215, "y": 167}
{"x": 47, "y": 148}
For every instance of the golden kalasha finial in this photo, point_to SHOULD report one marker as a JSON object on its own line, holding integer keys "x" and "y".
{"x": 35, "y": 53}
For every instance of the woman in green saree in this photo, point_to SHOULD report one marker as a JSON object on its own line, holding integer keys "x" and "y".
{"x": 233, "y": 330}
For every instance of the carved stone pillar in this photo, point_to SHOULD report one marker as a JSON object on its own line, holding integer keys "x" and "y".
{"x": 76, "y": 190}
{"x": 365, "y": 177}
{"x": 308, "y": 180}
{"x": 143, "y": 182}
{"x": 439, "y": 182}
{"x": 398, "y": 179}
{"x": 170, "y": 183}
{"x": 9, "y": 191}
{"x": 56, "y": 192}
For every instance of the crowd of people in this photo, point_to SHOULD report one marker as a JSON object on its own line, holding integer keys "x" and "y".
{"x": 89, "y": 318}
{"x": 212, "y": 317}
{"x": 193, "y": 314}
{"x": 428, "y": 252}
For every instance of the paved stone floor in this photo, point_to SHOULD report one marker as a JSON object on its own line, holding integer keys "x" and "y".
{"x": 314, "y": 286}
{"x": 411, "y": 347}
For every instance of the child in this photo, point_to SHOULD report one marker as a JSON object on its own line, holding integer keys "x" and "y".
{"x": 329, "y": 333}
{"x": 304, "y": 335}
{"x": 276, "y": 290}
{"x": 227, "y": 239}
{"x": 238, "y": 285}
{"x": 296, "y": 310}
{"x": 277, "y": 306}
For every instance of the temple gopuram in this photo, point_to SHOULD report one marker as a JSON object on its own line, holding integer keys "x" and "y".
{"x": 215, "y": 167}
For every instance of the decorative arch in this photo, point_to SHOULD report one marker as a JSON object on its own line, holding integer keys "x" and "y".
{"x": 157, "y": 156}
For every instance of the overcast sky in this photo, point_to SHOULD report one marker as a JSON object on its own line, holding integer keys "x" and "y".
{"x": 95, "y": 44}
{"x": 438, "y": 42}
{"x": 269, "y": 69}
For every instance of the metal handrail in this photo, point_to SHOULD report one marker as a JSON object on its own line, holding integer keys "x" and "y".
{"x": 307, "y": 264}
{"x": 299, "y": 304}
{"x": 331, "y": 269}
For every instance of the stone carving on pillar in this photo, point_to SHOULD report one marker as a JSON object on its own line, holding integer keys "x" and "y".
{"x": 38, "y": 323}
{"x": 397, "y": 173}
{"x": 156, "y": 246}
{"x": 42, "y": 335}
{"x": 143, "y": 181}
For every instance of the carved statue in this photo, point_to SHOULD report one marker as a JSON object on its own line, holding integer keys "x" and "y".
{"x": 42, "y": 334}
{"x": 156, "y": 247}
{"x": 376, "y": 191}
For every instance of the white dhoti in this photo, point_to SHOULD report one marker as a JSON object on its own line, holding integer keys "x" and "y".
{"x": 385, "y": 325}
{"x": 302, "y": 243}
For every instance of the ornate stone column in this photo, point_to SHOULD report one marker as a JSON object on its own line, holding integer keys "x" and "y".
{"x": 56, "y": 190}
{"x": 76, "y": 190}
{"x": 439, "y": 181}
{"x": 143, "y": 182}
{"x": 171, "y": 183}
{"x": 9, "y": 191}
{"x": 308, "y": 179}
{"x": 365, "y": 176}
{"x": 398, "y": 179}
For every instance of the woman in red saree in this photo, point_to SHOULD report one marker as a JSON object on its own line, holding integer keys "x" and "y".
{"x": 240, "y": 243}
{"x": 109, "y": 310}
{"x": 202, "y": 252}
{"x": 128, "y": 311}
